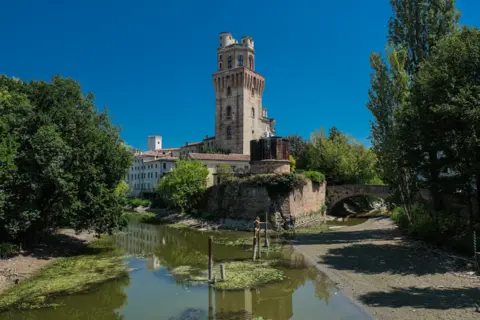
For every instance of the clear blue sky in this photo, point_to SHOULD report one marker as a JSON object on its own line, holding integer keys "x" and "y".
{"x": 150, "y": 62}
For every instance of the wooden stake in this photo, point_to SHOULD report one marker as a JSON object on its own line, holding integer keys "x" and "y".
{"x": 210, "y": 258}
{"x": 254, "y": 248}
{"x": 267, "y": 242}
{"x": 259, "y": 246}
{"x": 222, "y": 272}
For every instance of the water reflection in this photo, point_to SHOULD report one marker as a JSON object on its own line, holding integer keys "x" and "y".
{"x": 153, "y": 292}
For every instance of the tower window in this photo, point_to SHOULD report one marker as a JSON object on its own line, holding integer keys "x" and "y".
{"x": 229, "y": 133}
{"x": 253, "y": 91}
{"x": 229, "y": 112}
{"x": 253, "y": 112}
{"x": 220, "y": 66}
{"x": 250, "y": 62}
{"x": 220, "y": 58}
{"x": 229, "y": 62}
{"x": 229, "y": 91}
{"x": 240, "y": 61}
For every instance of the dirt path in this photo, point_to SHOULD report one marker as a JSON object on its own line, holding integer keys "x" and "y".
{"x": 27, "y": 263}
{"x": 390, "y": 277}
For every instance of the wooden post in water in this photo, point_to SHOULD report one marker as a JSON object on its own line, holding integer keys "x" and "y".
{"x": 267, "y": 242}
{"x": 259, "y": 246}
{"x": 222, "y": 272}
{"x": 254, "y": 247}
{"x": 210, "y": 258}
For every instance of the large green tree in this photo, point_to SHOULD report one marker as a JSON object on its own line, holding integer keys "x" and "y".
{"x": 415, "y": 28}
{"x": 61, "y": 160}
{"x": 447, "y": 88}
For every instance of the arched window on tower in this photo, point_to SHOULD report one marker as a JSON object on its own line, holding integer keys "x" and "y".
{"x": 240, "y": 61}
{"x": 229, "y": 91}
{"x": 229, "y": 112}
{"x": 229, "y": 62}
{"x": 250, "y": 62}
{"x": 229, "y": 133}
{"x": 253, "y": 112}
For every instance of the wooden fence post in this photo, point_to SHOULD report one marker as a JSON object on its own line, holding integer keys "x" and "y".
{"x": 259, "y": 246}
{"x": 222, "y": 272}
{"x": 267, "y": 242}
{"x": 254, "y": 247}
{"x": 210, "y": 258}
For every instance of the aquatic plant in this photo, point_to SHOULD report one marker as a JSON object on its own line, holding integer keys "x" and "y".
{"x": 99, "y": 263}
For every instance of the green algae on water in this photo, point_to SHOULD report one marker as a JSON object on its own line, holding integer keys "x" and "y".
{"x": 99, "y": 263}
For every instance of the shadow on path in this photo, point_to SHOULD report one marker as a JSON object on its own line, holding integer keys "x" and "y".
{"x": 427, "y": 298}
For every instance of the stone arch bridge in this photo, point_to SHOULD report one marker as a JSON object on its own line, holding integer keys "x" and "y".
{"x": 337, "y": 193}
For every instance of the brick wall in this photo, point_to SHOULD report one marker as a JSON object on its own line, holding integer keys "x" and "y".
{"x": 241, "y": 201}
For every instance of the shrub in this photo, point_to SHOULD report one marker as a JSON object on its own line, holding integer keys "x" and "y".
{"x": 293, "y": 163}
{"x": 135, "y": 202}
{"x": 183, "y": 187}
{"x": 277, "y": 185}
{"x": 8, "y": 250}
{"x": 315, "y": 176}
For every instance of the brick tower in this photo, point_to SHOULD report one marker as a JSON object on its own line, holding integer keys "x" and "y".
{"x": 239, "y": 116}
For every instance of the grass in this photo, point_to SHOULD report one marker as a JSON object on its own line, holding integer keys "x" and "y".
{"x": 239, "y": 274}
{"x": 311, "y": 229}
{"x": 247, "y": 244}
{"x": 178, "y": 225}
{"x": 99, "y": 263}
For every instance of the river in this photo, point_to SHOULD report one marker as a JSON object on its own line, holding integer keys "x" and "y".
{"x": 152, "y": 292}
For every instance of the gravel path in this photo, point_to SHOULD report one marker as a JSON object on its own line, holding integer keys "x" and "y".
{"x": 390, "y": 277}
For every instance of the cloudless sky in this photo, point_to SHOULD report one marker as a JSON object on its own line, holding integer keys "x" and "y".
{"x": 151, "y": 61}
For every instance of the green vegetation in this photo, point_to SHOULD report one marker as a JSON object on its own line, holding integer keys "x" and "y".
{"x": 311, "y": 229}
{"x": 247, "y": 244}
{"x": 426, "y": 88}
{"x": 293, "y": 163}
{"x": 340, "y": 158}
{"x": 277, "y": 185}
{"x": 183, "y": 187}
{"x": 146, "y": 217}
{"x": 224, "y": 173}
{"x": 99, "y": 263}
{"x": 315, "y": 176}
{"x": 137, "y": 202}
{"x": 62, "y": 161}
{"x": 240, "y": 274}
{"x": 8, "y": 250}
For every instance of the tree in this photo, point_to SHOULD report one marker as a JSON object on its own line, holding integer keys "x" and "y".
{"x": 414, "y": 29}
{"x": 297, "y": 149}
{"x": 341, "y": 158}
{"x": 63, "y": 160}
{"x": 184, "y": 185}
{"x": 448, "y": 89}
{"x": 224, "y": 173}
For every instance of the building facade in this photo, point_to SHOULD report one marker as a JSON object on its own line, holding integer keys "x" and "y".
{"x": 238, "y": 162}
{"x": 239, "y": 113}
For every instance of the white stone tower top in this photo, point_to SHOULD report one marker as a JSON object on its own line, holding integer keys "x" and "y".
{"x": 154, "y": 143}
{"x": 226, "y": 39}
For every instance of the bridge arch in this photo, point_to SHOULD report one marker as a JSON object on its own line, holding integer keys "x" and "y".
{"x": 337, "y": 193}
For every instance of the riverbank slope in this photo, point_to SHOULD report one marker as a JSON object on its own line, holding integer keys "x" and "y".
{"x": 391, "y": 277}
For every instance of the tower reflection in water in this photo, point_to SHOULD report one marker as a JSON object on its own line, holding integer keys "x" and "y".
{"x": 171, "y": 248}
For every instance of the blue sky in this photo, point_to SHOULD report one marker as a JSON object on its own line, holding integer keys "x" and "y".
{"x": 151, "y": 62}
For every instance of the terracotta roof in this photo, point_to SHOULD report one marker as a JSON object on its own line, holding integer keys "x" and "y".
{"x": 225, "y": 157}
{"x": 166, "y": 157}
{"x": 192, "y": 144}
{"x": 167, "y": 149}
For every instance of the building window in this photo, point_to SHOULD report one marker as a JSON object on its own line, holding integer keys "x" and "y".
{"x": 253, "y": 112}
{"x": 219, "y": 58}
{"x": 229, "y": 91}
{"x": 229, "y": 133}
{"x": 156, "y": 174}
{"x": 156, "y": 165}
{"x": 240, "y": 61}
{"x": 220, "y": 66}
{"x": 253, "y": 91}
{"x": 250, "y": 62}
{"x": 229, "y": 62}
{"x": 164, "y": 166}
{"x": 229, "y": 112}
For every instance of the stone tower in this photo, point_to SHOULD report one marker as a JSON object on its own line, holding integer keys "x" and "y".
{"x": 240, "y": 116}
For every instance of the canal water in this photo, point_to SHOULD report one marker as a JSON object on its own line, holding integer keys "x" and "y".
{"x": 153, "y": 292}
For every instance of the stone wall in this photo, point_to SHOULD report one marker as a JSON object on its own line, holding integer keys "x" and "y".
{"x": 270, "y": 166}
{"x": 245, "y": 201}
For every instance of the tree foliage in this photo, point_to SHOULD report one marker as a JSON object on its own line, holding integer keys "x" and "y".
{"x": 341, "y": 158}
{"x": 224, "y": 173}
{"x": 61, "y": 161}
{"x": 184, "y": 185}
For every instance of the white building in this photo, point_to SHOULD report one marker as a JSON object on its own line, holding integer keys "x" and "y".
{"x": 238, "y": 162}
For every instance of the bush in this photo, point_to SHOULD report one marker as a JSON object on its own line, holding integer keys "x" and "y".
{"x": 8, "y": 250}
{"x": 293, "y": 163}
{"x": 315, "y": 176}
{"x": 276, "y": 184}
{"x": 183, "y": 187}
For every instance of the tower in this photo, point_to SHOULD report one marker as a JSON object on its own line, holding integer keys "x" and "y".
{"x": 154, "y": 143}
{"x": 239, "y": 116}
